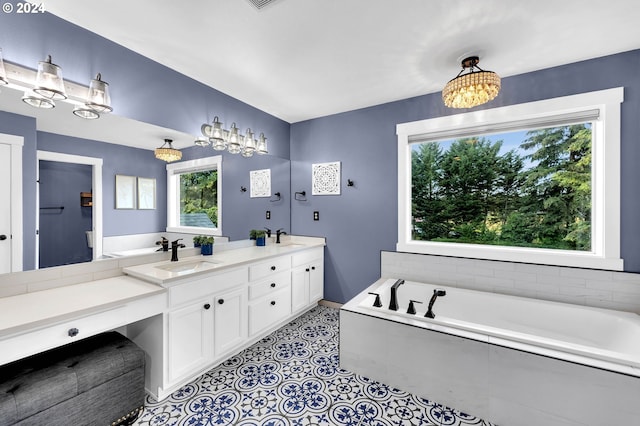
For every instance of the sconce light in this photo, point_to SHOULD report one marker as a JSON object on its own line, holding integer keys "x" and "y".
{"x": 169, "y": 153}
{"x": 49, "y": 82}
{"x": 3, "y": 72}
{"x": 231, "y": 140}
{"x": 473, "y": 88}
{"x": 35, "y": 100}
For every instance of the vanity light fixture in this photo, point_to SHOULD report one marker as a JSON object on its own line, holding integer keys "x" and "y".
{"x": 169, "y": 153}
{"x": 474, "y": 88}
{"x": 98, "y": 98}
{"x": 231, "y": 140}
{"x": 35, "y": 100}
{"x": 3, "y": 72}
{"x": 49, "y": 82}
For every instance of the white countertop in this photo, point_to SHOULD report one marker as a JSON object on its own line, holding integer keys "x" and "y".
{"x": 219, "y": 261}
{"x": 42, "y": 308}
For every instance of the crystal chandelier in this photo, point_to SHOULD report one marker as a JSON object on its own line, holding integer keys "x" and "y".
{"x": 474, "y": 88}
{"x": 231, "y": 140}
{"x": 169, "y": 153}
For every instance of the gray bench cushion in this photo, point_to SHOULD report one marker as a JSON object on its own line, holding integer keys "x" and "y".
{"x": 40, "y": 382}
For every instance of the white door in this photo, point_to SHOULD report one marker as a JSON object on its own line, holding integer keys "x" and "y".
{"x": 230, "y": 323}
{"x": 5, "y": 209}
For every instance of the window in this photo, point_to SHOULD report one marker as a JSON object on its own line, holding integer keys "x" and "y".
{"x": 194, "y": 196}
{"x": 535, "y": 182}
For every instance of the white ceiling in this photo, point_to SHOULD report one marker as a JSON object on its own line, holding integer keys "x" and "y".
{"x": 301, "y": 59}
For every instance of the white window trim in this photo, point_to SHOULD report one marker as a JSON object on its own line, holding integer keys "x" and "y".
{"x": 173, "y": 194}
{"x": 605, "y": 252}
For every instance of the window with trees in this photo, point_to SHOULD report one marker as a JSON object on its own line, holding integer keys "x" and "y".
{"x": 535, "y": 182}
{"x": 194, "y": 196}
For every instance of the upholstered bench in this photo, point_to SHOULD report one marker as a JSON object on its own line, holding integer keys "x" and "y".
{"x": 95, "y": 381}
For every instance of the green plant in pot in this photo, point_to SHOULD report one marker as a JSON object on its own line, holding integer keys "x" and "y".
{"x": 252, "y": 234}
{"x": 260, "y": 237}
{"x": 206, "y": 245}
{"x": 197, "y": 240}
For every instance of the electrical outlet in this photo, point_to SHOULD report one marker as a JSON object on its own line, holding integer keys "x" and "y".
{"x": 316, "y": 215}
{"x": 268, "y": 215}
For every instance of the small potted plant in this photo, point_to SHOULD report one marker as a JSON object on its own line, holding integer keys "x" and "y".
{"x": 197, "y": 241}
{"x": 260, "y": 237}
{"x": 206, "y": 245}
{"x": 252, "y": 234}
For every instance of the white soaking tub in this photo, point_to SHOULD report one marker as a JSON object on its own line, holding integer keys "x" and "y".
{"x": 507, "y": 359}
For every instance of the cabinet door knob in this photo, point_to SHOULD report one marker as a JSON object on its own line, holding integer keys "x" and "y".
{"x": 3, "y": 237}
{"x": 273, "y": 268}
{"x": 307, "y": 270}
{"x": 313, "y": 268}
{"x": 273, "y": 285}
{"x": 73, "y": 332}
{"x": 221, "y": 301}
{"x": 273, "y": 303}
{"x": 207, "y": 306}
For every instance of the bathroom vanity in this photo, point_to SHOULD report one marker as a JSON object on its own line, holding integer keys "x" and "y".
{"x": 188, "y": 315}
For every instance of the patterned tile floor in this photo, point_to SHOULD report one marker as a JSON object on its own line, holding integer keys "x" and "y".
{"x": 292, "y": 378}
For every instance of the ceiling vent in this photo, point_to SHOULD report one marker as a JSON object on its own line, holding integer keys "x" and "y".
{"x": 259, "y": 4}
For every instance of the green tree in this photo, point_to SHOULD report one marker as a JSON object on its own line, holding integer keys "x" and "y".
{"x": 198, "y": 193}
{"x": 426, "y": 204}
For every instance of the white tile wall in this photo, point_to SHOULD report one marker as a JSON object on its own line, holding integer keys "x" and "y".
{"x": 603, "y": 289}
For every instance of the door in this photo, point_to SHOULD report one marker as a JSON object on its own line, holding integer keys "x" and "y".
{"x": 5, "y": 209}
{"x": 230, "y": 322}
{"x": 190, "y": 338}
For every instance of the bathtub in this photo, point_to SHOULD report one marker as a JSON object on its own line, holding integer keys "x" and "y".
{"x": 506, "y": 359}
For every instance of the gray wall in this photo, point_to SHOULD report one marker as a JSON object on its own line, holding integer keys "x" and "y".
{"x": 363, "y": 220}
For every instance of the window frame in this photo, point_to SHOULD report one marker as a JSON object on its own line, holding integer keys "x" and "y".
{"x": 174, "y": 170}
{"x": 605, "y": 251}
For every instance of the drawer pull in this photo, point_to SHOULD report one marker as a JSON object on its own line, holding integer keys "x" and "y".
{"x": 307, "y": 270}
{"x": 73, "y": 332}
{"x": 273, "y": 268}
{"x": 221, "y": 301}
{"x": 273, "y": 303}
{"x": 273, "y": 285}
{"x": 207, "y": 306}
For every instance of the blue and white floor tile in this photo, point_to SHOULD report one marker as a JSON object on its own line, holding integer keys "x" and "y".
{"x": 292, "y": 378}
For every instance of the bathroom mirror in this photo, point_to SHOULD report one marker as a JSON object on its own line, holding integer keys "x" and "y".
{"x": 119, "y": 142}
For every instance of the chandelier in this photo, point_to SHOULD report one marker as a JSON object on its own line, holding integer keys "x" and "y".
{"x": 231, "y": 140}
{"x": 169, "y": 153}
{"x": 474, "y": 88}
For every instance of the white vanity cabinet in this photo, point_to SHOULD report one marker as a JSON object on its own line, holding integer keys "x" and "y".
{"x": 269, "y": 295}
{"x": 307, "y": 278}
{"x": 207, "y": 318}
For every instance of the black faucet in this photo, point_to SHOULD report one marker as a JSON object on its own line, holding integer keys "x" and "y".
{"x": 278, "y": 233}
{"x": 164, "y": 243}
{"x": 436, "y": 292}
{"x": 174, "y": 249}
{"x": 393, "y": 304}
{"x": 268, "y": 232}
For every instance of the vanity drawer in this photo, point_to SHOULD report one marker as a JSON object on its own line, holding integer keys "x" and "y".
{"x": 307, "y": 256}
{"x": 270, "y": 285}
{"x": 264, "y": 269}
{"x": 202, "y": 287}
{"x": 37, "y": 341}
{"x": 269, "y": 310}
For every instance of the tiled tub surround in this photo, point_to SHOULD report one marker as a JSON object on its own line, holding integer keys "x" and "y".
{"x": 590, "y": 287}
{"x": 292, "y": 378}
{"x": 512, "y": 360}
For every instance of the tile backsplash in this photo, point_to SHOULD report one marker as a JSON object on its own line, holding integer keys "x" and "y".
{"x": 590, "y": 287}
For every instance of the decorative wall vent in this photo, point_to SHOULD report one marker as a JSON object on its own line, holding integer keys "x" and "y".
{"x": 259, "y": 4}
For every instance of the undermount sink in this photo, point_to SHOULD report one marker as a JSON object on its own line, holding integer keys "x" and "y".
{"x": 290, "y": 245}
{"x": 183, "y": 268}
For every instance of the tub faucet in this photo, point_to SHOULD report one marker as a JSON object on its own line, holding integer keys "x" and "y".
{"x": 278, "y": 233}
{"x": 174, "y": 249}
{"x": 393, "y": 304}
{"x": 436, "y": 292}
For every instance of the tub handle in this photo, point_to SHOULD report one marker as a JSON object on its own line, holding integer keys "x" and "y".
{"x": 412, "y": 310}
{"x": 377, "y": 303}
